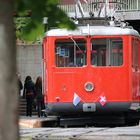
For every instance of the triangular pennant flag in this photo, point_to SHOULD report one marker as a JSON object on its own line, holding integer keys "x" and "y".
{"x": 76, "y": 99}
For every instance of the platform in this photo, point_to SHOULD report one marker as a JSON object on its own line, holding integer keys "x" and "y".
{"x": 36, "y": 122}
{"x": 31, "y": 128}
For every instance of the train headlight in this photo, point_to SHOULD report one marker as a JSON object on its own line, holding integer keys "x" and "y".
{"x": 89, "y": 86}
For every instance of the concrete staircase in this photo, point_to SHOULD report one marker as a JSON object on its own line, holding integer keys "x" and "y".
{"x": 22, "y": 107}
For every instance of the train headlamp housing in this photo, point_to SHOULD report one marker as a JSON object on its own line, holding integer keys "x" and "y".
{"x": 89, "y": 86}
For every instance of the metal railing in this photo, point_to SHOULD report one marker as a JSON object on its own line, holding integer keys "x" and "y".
{"x": 93, "y": 5}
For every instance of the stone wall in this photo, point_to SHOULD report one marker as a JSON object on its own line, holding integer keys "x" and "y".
{"x": 29, "y": 61}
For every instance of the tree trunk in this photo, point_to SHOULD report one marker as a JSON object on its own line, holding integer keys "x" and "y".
{"x": 8, "y": 82}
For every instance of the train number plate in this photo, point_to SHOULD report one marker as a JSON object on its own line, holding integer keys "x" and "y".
{"x": 89, "y": 107}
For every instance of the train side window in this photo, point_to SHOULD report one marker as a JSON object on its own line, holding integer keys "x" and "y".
{"x": 106, "y": 52}
{"x": 132, "y": 53}
{"x": 70, "y": 53}
{"x": 135, "y": 54}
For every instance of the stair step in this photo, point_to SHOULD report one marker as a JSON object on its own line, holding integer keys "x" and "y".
{"x": 22, "y": 107}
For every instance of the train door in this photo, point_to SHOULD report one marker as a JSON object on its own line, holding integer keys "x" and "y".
{"x": 108, "y": 65}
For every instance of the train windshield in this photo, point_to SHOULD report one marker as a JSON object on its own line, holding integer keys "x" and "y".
{"x": 106, "y": 51}
{"x": 70, "y": 52}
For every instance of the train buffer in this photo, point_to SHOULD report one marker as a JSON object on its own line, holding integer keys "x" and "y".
{"x": 36, "y": 122}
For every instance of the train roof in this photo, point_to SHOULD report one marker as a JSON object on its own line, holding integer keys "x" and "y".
{"x": 93, "y": 30}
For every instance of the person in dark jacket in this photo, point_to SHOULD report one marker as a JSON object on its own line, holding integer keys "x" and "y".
{"x": 28, "y": 92}
{"x": 39, "y": 96}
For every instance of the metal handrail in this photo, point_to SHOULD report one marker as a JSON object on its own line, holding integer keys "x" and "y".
{"x": 124, "y": 5}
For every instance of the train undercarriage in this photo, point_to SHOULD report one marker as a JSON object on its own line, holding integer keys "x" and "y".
{"x": 109, "y": 115}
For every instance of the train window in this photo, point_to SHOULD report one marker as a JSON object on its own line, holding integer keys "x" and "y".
{"x": 70, "y": 52}
{"x": 135, "y": 59}
{"x": 106, "y": 52}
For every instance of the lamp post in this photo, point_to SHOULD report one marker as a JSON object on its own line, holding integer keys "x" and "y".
{"x": 45, "y": 22}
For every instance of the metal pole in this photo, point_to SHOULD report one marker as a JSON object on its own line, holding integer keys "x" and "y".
{"x": 106, "y": 4}
{"x": 45, "y": 22}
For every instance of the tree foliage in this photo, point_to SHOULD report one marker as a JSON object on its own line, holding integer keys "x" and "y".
{"x": 29, "y": 28}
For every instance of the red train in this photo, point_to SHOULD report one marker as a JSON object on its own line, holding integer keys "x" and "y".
{"x": 93, "y": 72}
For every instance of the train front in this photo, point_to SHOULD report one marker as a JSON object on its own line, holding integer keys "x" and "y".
{"x": 87, "y": 71}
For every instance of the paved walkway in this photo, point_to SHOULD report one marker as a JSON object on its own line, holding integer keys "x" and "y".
{"x": 91, "y": 133}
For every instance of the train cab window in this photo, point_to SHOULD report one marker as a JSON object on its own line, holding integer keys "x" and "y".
{"x": 70, "y": 52}
{"x": 106, "y": 52}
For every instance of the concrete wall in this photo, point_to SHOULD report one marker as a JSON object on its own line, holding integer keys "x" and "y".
{"x": 29, "y": 61}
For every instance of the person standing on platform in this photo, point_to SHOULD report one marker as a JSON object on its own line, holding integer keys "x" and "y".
{"x": 20, "y": 86}
{"x": 28, "y": 93}
{"x": 39, "y": 96}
